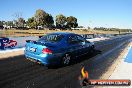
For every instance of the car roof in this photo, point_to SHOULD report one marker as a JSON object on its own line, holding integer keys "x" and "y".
{"x": 63, "y": 33}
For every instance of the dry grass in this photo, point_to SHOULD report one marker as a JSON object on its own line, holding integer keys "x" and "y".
{"x": 33, "y": 32}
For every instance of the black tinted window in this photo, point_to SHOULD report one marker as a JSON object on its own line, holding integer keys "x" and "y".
{"x": 52, "y": 37}
{"x": 72, "y": 39}
{"x": 80, "y": 38}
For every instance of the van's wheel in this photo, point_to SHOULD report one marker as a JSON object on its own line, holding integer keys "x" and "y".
{"x": 66, "y": 59}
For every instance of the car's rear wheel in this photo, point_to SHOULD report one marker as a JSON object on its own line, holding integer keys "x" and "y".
{"x": 66, "y": 59}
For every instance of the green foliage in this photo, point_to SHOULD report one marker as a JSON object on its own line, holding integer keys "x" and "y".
{"x": 72, "y": 22}
{"x": 43, "y": 19}
{"x": 1, "y": 23}
{"x": 112, "y": 29}
{"x": 9, "y": 23}
{"x": 21, "y": 22}
{"x": 40, "y": 16}
{"x": 15, "y": 23}
{"x": 60, "y": 21}
{"x": 31, "y": 22}
{"x": 49, "y": 20}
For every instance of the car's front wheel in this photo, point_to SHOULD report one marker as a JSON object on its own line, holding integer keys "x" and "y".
{"x": 66, "y": 59}
{"x": 92, "y": 49}
{"x": 12, "y": 46}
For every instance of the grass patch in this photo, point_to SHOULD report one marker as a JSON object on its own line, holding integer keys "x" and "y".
{"x": 33, "y": 32}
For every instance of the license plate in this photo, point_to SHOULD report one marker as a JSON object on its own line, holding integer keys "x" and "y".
{"x": 32, "y": 49}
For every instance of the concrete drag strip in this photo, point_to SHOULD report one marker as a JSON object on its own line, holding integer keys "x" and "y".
{"x": 11, "y": 50}
{"x": 122, "y": 69}
{"x": 18, "y": 72}
{"x": 11, "y": 53}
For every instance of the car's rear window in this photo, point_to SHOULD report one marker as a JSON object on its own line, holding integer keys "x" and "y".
{"x": 52, "y": 38}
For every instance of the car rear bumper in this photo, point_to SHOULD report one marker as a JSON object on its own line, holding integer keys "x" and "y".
{"x": 46, "y": 59}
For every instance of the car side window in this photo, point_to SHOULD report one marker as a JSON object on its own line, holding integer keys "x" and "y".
{"x": 72, "y": 39}
{"x": 80, "y": 38}
{"x": 87, "y": 41}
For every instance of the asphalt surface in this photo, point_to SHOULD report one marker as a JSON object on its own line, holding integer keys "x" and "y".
{"x": 18, "y": 72}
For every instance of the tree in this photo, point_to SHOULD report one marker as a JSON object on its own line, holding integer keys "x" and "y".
{"x": 9, "y": 23}
{"x": 89, "y": 27}
{"x": 31, "y": 22}
{"x": 39, "y": 17}
{"x": 80, "y": 26}
{"x": 72, "y": 22}
{"x": 49, "y": 20}
{"x": 15, "y": 23}
{"x": 60, "y": 21}
{"x": 42, "y": 18}
{"x": 16, "y": 16}
{"x": 1, "y": 23}
{"x": 21, "y": 22}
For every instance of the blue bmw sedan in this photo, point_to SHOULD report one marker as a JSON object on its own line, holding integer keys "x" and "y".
{"x": 57, "y": 48}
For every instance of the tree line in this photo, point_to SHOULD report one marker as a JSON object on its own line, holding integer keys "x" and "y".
{"x": 42, "y": 19}
{"x": 112, "y": 29}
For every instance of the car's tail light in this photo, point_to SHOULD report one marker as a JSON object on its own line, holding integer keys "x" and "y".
{"x": 46, "y": 51}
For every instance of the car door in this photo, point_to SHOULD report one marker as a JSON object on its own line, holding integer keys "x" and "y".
{"x": 74, "y": 45}
{"x": 85, "y": 45}
{"x": 88, "y": 46}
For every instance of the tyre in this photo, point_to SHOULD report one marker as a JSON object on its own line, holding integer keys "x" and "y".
{"x": 4, "y": 48}
{"x": 66, "y": 59}
{"x": 12, "y": 46}
{"x": 92, "y": 49}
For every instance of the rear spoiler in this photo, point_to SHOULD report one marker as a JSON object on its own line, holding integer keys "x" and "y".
{"x": 39, "y": 43}
{"x": 35, "y": 42}
{"x": 28, "y": 41}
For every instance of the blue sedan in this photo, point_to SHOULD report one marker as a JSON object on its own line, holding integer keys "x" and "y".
{"x": 57, "y": 48}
